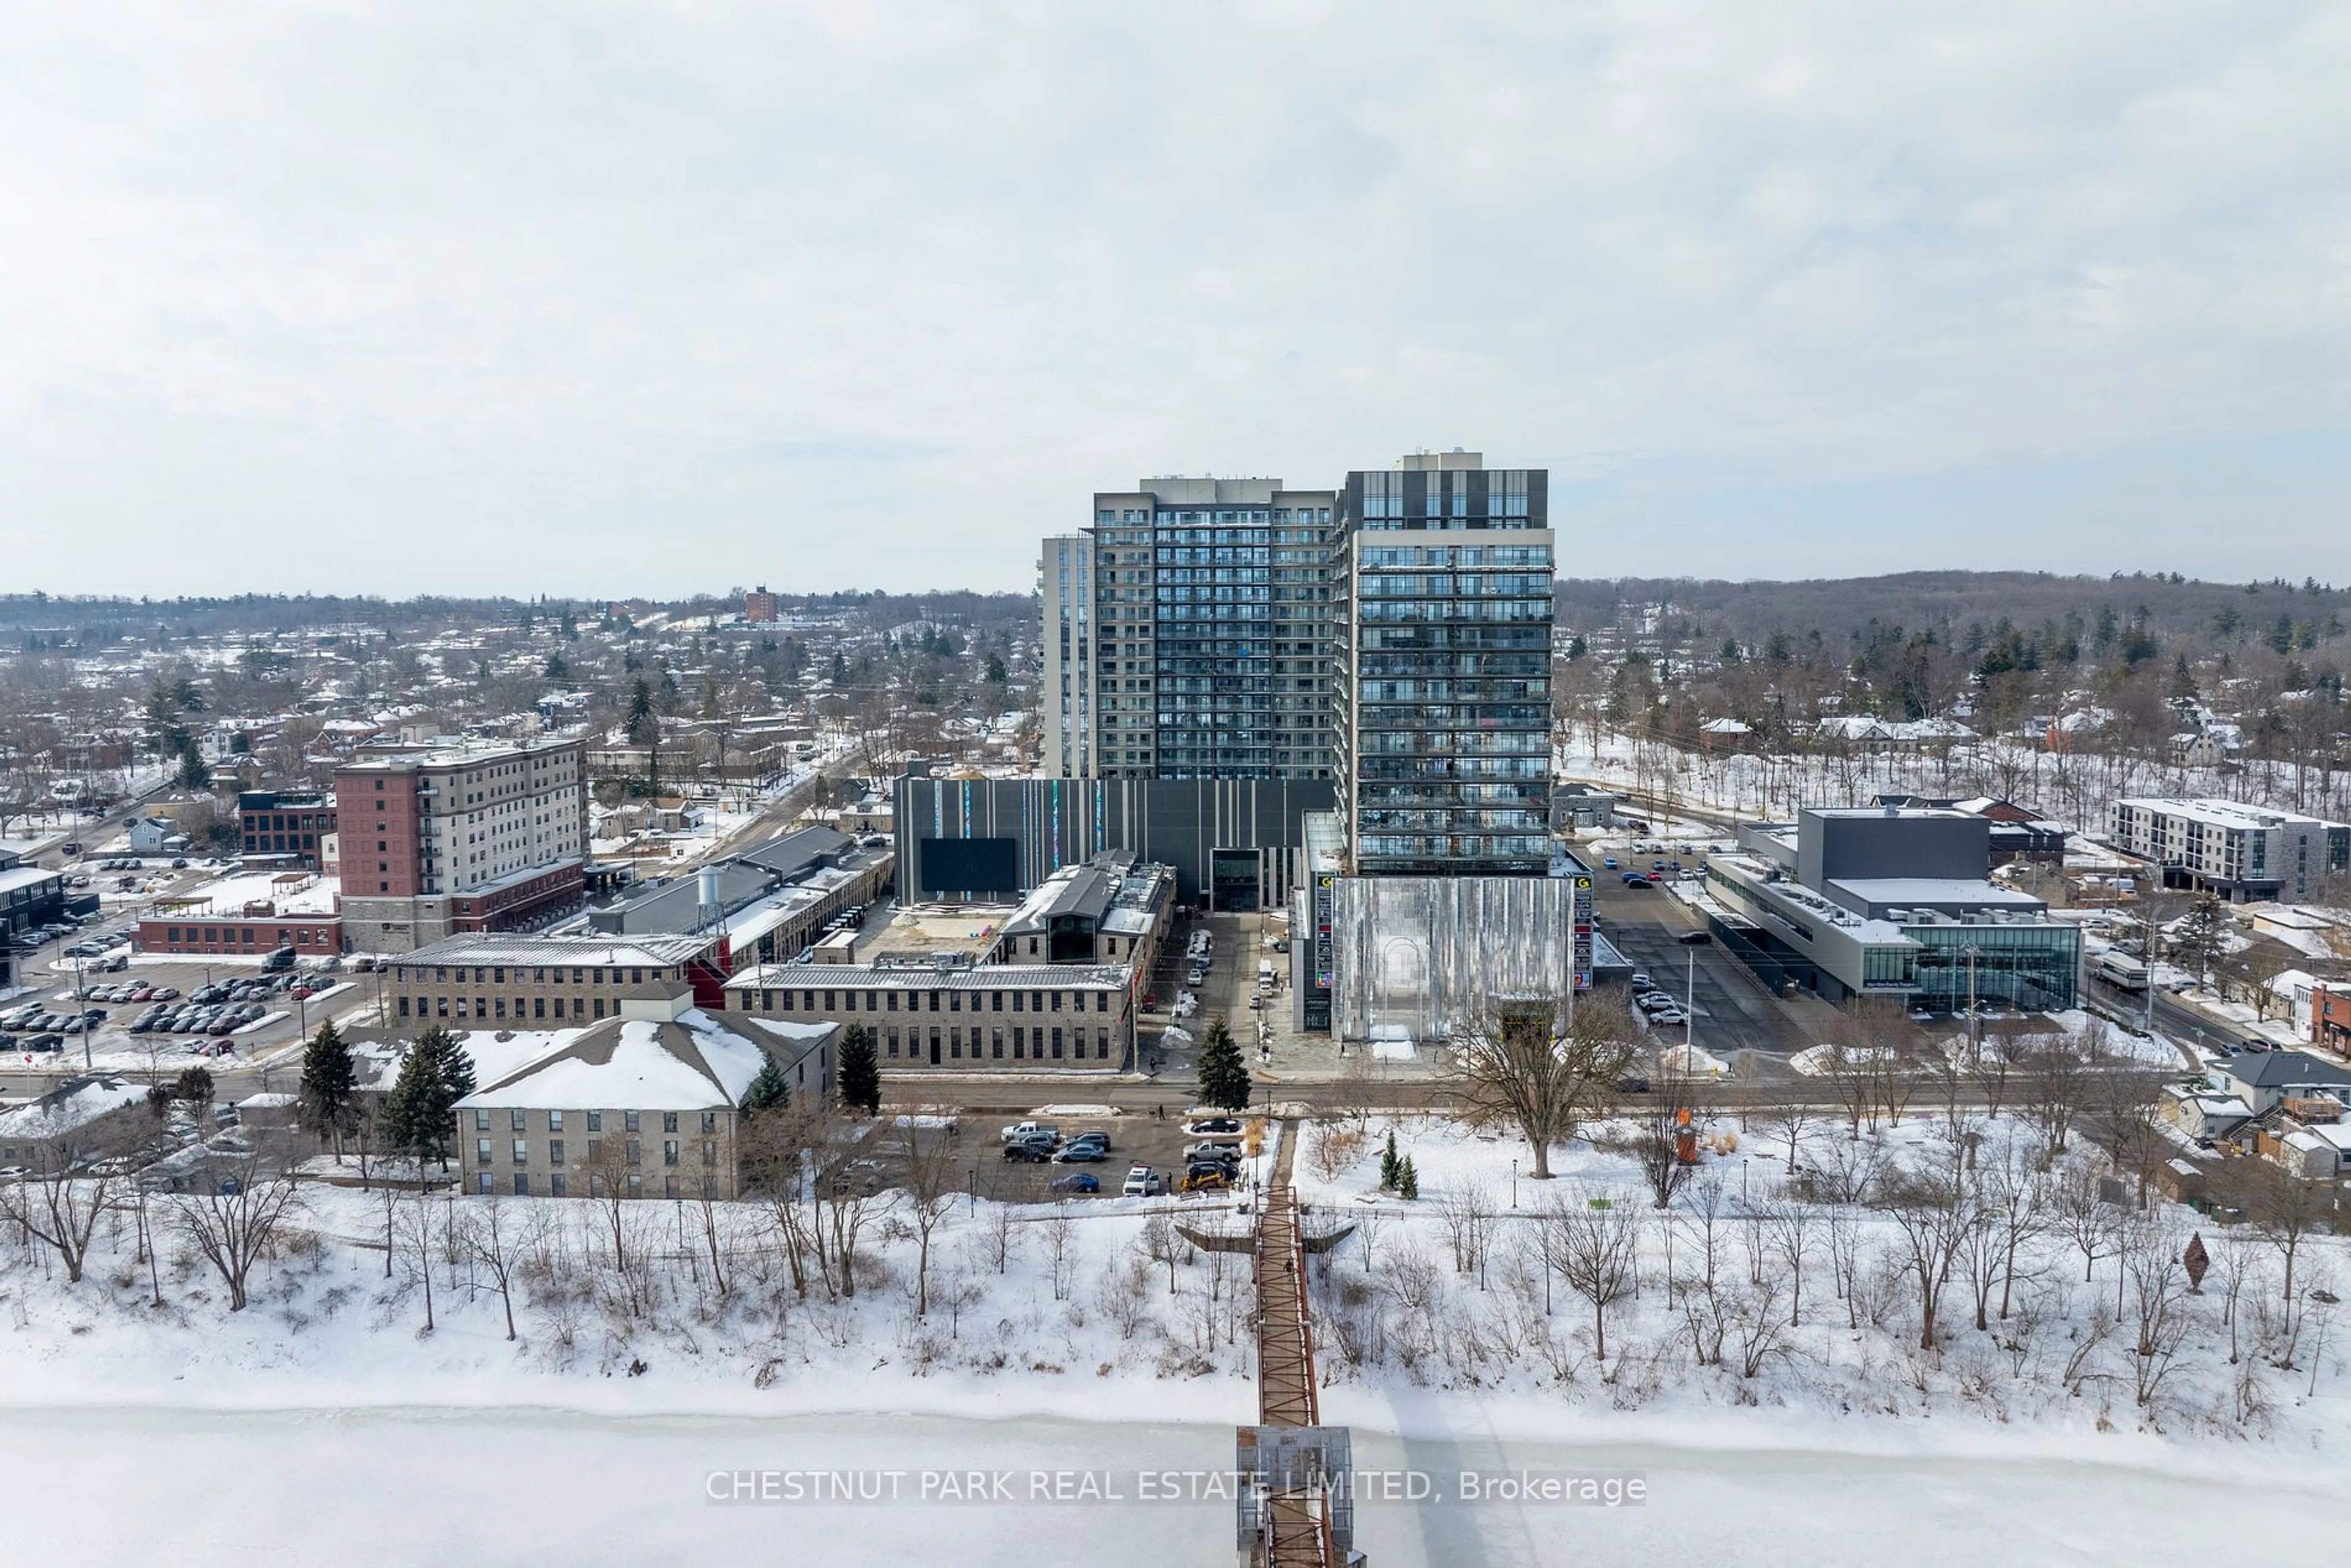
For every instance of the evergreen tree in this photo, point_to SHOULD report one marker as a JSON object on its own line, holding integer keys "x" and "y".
{"x": 1224, "y": 1077}
{"x": 1390, "y": 1167}
{"x": 419, "y": 1113}
{"x": 195, "y": 1085}
{"x": 768, "y": 1091}
{"x": 329, "y": 1085}
{"x": 193, "y": 773}
{"x": 1407, "y": 1180}
{"x": 556, "y": 670}
{"x": 404, "y": 1121}
{"x": 861, "y": 1074}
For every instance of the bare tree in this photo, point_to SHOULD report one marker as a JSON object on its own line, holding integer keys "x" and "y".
{"x": 1595, "y": 1246}
{"x": 1543, "y": 1065}
{"x": 59, "y": 1199}
{"x": 413, "y": 1232}
{"x": 2054, "y": 1070}
{"x": 1669, "y": 1121}
{"x": 931, "y": 1190}
{"x": 1787, "y": 1231}
{"x": 1163, "y": 1243}
{"x": 1932, "y": 1218}
{"x": 2122, "y": 1102}
{"x": 2156, "y": 1299}
{"x": 1061, "y": 1249}
{"x": 500, "y": 1245}
{"x": 2085, "y": 1218}
{"x": 235, "y": 1224}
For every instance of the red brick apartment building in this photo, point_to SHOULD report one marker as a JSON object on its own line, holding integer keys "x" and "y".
{"x": 460, "y": 837}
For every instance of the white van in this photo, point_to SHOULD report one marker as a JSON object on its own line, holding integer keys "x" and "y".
{"x": 1265, "y": 976}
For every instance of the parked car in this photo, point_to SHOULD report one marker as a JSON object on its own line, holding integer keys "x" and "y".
{"x": 1076, "y": 1181}
{"x": 1142, "y": 1182}
{"x": 1213, "y": 1127}
{"x": 1081, "y": 1153}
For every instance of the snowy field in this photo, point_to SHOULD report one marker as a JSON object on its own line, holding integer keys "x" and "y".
{"x": 1086, "y": 1340}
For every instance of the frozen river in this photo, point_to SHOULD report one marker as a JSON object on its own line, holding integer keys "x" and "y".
{"x": 144, "y": 1487}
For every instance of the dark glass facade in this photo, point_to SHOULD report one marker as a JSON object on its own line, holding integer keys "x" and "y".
{"x": 1444, "y": 672}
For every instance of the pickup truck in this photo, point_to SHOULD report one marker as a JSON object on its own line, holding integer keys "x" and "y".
{"x": 1027, "y": 1132}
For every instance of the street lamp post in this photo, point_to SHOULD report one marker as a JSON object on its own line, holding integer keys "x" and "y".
{"x": 81, "y": 1015}
{"x": 1514, "y": 1182}
{"x": 1975, "y": 1025}
{"x": 1690, "y": 1007}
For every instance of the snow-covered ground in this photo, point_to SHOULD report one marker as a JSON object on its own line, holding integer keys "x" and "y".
{"x": 1063, "y": 1338}
{"x": 136, "y": 1486}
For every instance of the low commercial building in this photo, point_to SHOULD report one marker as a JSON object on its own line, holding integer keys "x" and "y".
{"x": 1893, "y": 901}
{"x": 2225, "y": 847}
{"x": 957, "y": 1014}
{"x": 1109, "y": 910}
{"x": 544, "y": 980}
{"x": 30, "y": 896}
{"x": 765, "y": 904}
{"x": 249, "y": 916}
{"x": 294, "y": 823}
{"x": 646, "y": 1104}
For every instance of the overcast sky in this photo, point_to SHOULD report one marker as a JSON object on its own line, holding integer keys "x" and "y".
{"x": 594, "y": 300}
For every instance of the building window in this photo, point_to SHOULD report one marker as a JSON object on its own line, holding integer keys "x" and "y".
{"x": 521, "y": 1152}
{"x": 1057, "y": 1045}
{"x": 555, "y": 1185}
{"x": 481, "y": 1151}
{"x": 485, "y": 1184}
{"x": 514, "y": 1121}
{"x": 996, "y": 1043}
{"x": 710, "y": 1121}
{"x": 636, "y": 1155}
{"x": 669, "y": 1151}
{"x": 522, "y": 1183}
{"x": 595, "y": 1121}
{"x": 669, "y": 1121}
{"x": 555, "y": 1151}
{"x": 481, "y": 1121}
{"x": 632, "y": 1120}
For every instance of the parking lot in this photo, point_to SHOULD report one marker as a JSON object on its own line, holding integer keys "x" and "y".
{"x": 279, "y": 1022}
{"x": 981, "y": 1168}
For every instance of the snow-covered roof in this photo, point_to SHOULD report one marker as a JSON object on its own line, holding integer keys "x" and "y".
{"x": 71, "y": 1107}
{"x": 694, "y": 1063}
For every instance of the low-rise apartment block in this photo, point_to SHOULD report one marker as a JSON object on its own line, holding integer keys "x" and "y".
{"x": 2240, "y": 852}
{"x": 646, "y": 1104}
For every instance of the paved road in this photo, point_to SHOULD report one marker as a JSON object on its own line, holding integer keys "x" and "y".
{"x": 2172, "y": 1016}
